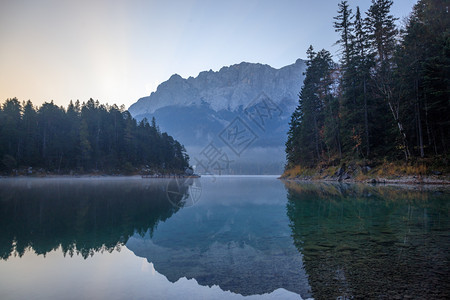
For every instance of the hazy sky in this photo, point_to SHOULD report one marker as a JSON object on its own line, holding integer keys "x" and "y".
{"x": 119, "y": 51}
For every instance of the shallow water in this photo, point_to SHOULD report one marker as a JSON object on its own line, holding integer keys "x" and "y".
{"x": 220, "y": 237}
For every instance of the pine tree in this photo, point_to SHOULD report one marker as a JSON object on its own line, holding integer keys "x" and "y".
{"x": 363, "y": 63}
{"x": 308, "y": 143}
{"x": 382, "y": 38}
{"x": 10, "y": 134}
{"x": 344, "y": 25}
{"x": 29, "y": 128}
{"x": 423, "y": 76}
{"x": 354, "y": 98}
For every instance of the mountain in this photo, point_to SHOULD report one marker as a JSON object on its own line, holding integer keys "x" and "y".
{"x": 233, "y": 121}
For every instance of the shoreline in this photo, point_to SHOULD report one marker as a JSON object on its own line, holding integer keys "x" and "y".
{"x": 68, "y": 176}
{"x": 437, "y": 187}
{"x": 392, "y": 173}
{"x": 138, "y": 176}
{"x": 400, "y": 180}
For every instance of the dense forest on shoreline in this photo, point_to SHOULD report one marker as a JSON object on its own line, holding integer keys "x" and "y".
{"x": 84, "y": 138}
{"x": 387, "y": 100}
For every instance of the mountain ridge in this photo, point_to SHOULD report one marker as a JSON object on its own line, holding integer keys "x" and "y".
{"x": 229, "y": 84}
{"x": 252, "y": 96}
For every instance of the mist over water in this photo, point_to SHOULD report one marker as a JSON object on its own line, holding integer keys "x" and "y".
{"x": 220, "y": 237}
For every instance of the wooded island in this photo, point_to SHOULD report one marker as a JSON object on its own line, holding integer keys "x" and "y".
{"x": 84, "y": 138}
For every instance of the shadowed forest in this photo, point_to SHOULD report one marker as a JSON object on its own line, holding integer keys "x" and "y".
{"x": 87, "y": 137}
{"x": 388, "y": 97}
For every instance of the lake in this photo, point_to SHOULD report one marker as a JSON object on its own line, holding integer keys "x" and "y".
{"x": 221, "y": 238}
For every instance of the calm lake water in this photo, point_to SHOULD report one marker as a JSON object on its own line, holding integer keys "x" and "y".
{"x": 221, "y": 238}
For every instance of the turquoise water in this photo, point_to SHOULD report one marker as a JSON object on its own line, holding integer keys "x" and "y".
{"x": 220, "y": 238}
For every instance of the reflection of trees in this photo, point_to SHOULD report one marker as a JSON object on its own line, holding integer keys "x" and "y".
{"x": 82, "y": 216}
{"x": 371, "y": 242}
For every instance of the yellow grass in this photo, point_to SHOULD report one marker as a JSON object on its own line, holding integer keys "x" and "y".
{"x": 292, "y": 172}
{"x": 385, "y": 169}
{"x": 401, "y": 169}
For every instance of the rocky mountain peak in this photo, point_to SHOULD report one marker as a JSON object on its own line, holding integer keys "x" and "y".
{"x": 229, "y": 88}
{"x": 197, "y": 110}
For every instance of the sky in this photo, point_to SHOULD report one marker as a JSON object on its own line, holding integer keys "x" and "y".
{"x": 118, "y": 51}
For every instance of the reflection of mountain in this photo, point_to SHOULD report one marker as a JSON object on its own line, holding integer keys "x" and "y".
{"x": 371, "y": 242}
{"x": 83, "y": 215}
{"x": 235, "y": 240}
{"x": 368, "y": 242}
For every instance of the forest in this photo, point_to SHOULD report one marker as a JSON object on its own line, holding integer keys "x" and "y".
{"x": 84, "y": 138}
{"x": 386, "y": 100}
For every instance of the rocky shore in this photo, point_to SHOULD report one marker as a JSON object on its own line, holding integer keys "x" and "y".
{"x": 383, "y": 174}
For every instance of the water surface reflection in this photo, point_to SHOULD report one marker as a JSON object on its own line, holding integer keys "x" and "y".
{"x": 246, "y": 235}
{"x": 372, "y": 242}
{"x": 84, "y": 215}
{"x": 237, "y": 237}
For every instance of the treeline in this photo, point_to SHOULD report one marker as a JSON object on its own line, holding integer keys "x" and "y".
{"x": 386, "y": 99}
{"x": 87, "y": 137}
